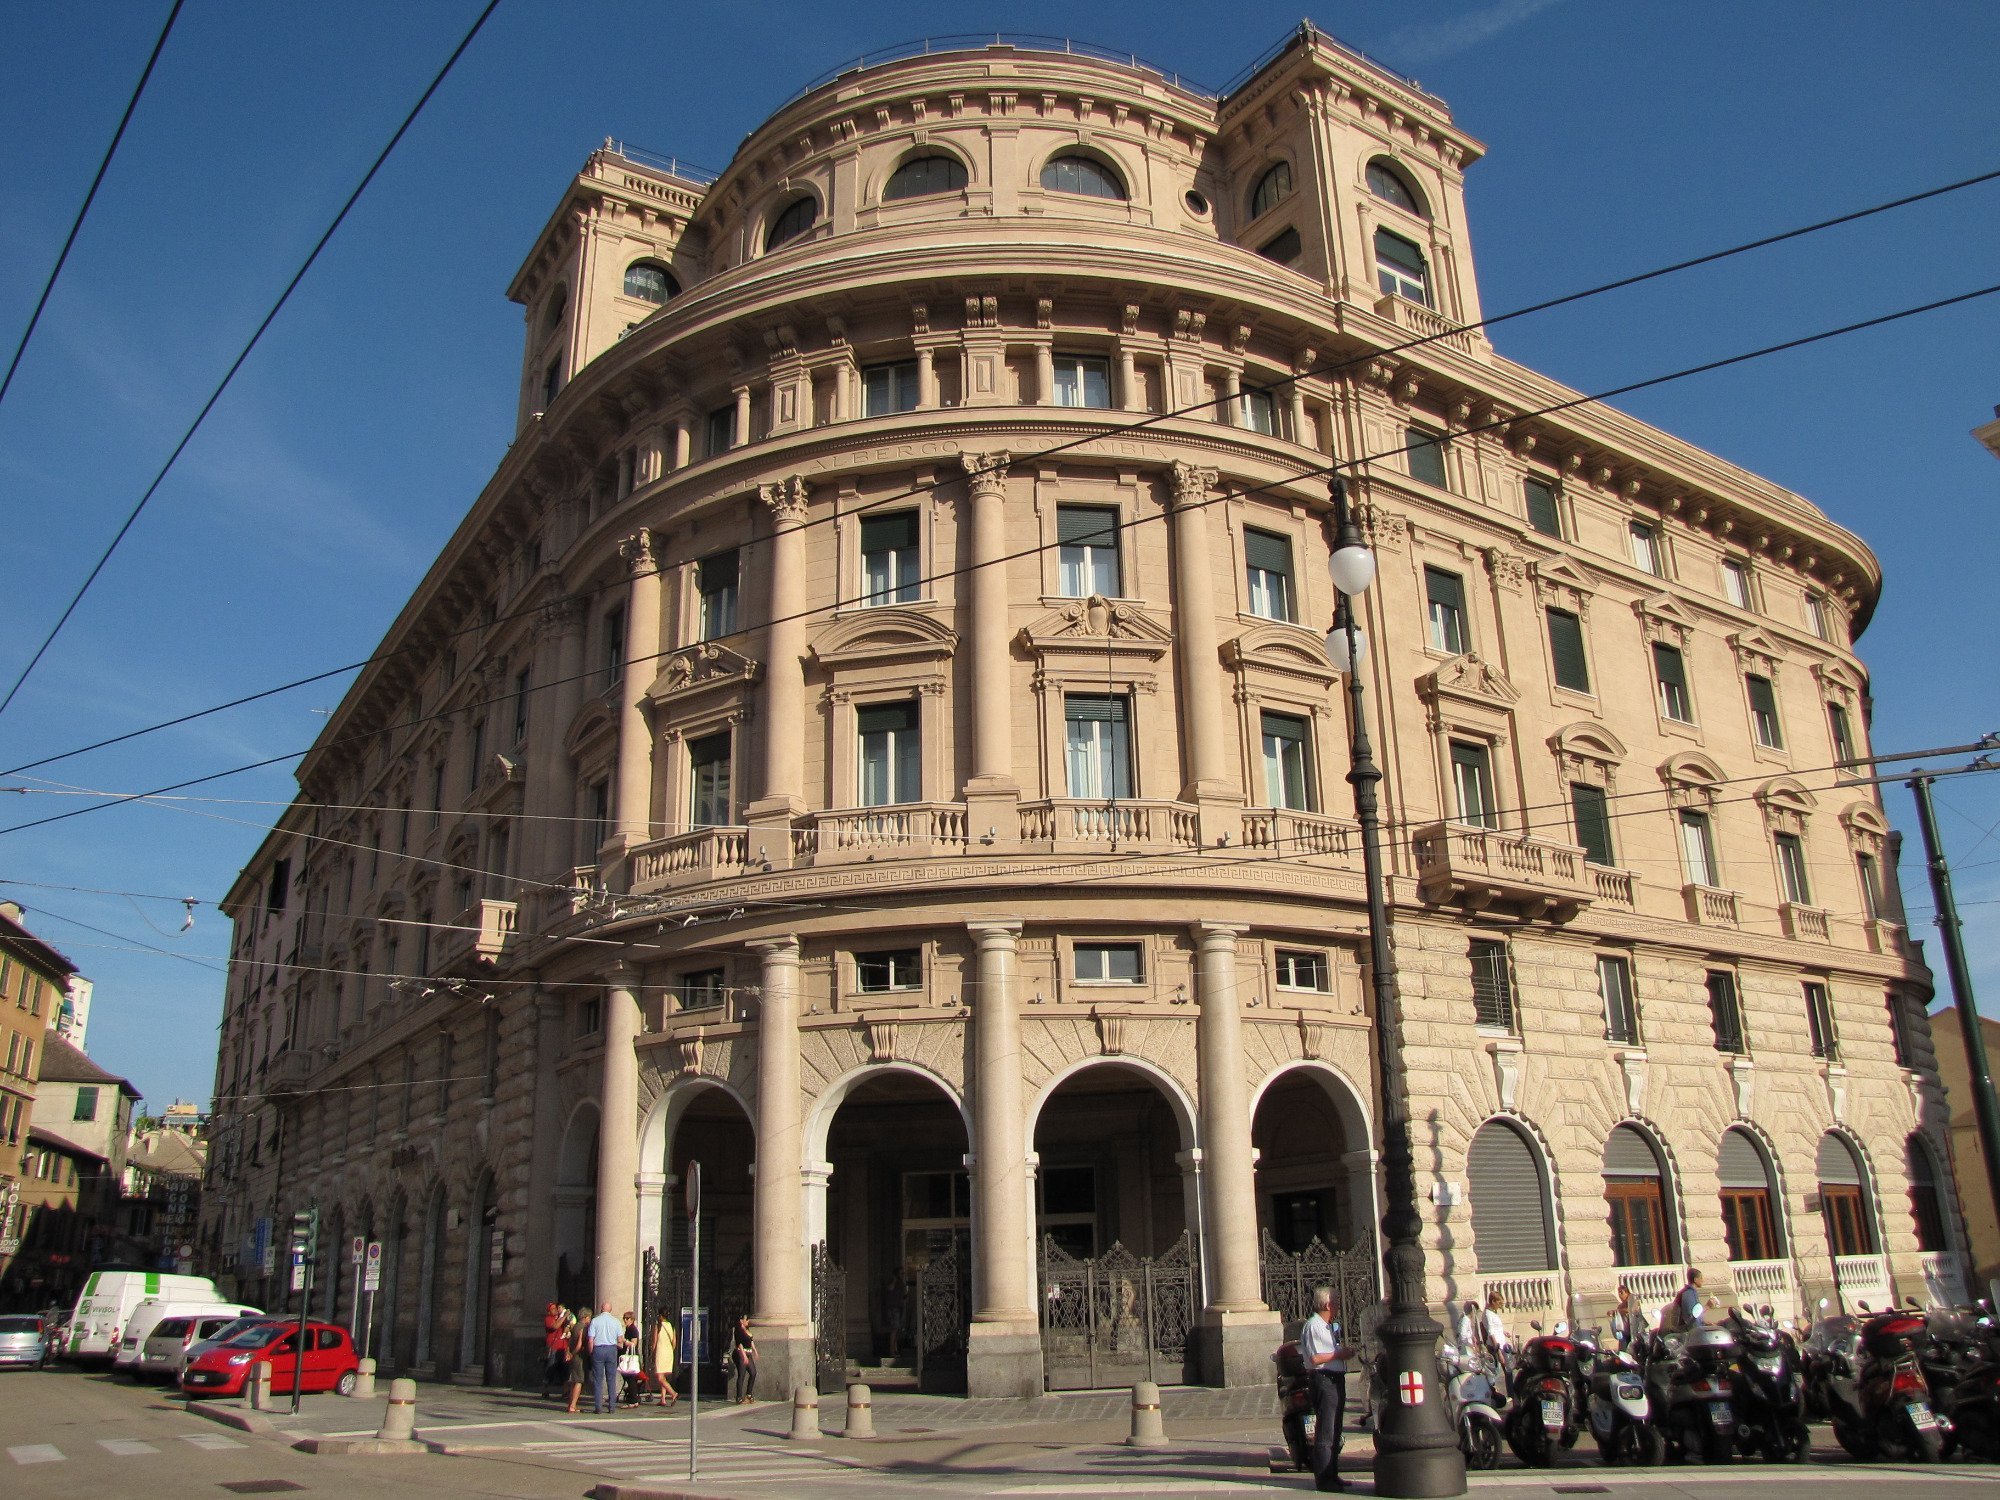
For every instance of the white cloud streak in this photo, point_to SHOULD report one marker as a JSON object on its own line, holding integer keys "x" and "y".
{"x": 1437, "y": 40}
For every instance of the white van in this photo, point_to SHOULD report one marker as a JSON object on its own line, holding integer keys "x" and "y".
{"x": 148, "y": 1315}
{"x": 109, "y": 1298}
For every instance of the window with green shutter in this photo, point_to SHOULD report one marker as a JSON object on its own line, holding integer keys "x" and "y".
{"x": 1764, "y": 711}
{"x": 1543, "y": 512}
{"x": 1425, "y": 451}
{"x": 1445, "y": 593}
{"x": 1671, "y": 674}
{"x": 1593, "y": 822}
{"x": 1566, "y": 650}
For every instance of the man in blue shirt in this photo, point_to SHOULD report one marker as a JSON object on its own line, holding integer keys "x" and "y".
{"x": 1326, "y": 1356}
{"x": 605, "y": 1332}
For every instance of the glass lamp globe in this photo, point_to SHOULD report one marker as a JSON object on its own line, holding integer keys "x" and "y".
{"x": 1336, "y": 648}
{"x": 1353, "y": 569}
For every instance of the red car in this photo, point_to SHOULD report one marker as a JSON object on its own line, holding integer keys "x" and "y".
{"x": 224, "y": 1370}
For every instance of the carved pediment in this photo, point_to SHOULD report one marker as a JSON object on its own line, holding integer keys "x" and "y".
{"x": 497, "y": 774}
{"x": 1691, "y": 779}
{"x": 1284, "y": 649}
{"x": 698, "y": 668}
{"x": 591, "y": 721}
{"x": 1586, "y": 749}
{"x": 1786, "y": 803}
{"x": 882, "y": 635}
{"x": 1470, "y": 677}
{"x": 1838, "y": 682}
{"x": 1099, "y": 626}
{"x": 1560, "y": 581}
{"x": 1756, "y": 651}
{"x": 1664, "y": 618}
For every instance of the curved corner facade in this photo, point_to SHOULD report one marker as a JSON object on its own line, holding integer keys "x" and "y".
{"x": 873, "y": 737}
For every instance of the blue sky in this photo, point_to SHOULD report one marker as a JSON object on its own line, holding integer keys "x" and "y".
{"x": 1620, "y": 136}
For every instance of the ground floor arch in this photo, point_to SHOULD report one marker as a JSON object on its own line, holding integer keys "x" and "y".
{"x": 576, "y": 1209}
{"x": 1315, "y": 1160}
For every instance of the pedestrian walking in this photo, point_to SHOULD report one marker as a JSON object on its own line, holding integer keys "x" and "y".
{"x": 555, "y": 1349}
{"x": 605, "y": 1333}
{"x": 579, "y": 1354}
{"x": 1326, "y": 1355}
{"x": 742, "y": 1362}
{"x": 663, "y": 1357}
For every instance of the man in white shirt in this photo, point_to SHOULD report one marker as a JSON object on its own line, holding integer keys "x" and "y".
{"x": 1326, "y": 1356}
{"x": 605, "y": 1332}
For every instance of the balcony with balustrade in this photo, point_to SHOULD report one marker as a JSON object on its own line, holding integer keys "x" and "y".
{"x": 1765, "y": 1283}
{"x": 1863, "y": 1278}
{"x": 690, "y": 858}
{"x": 1478, "y": 866}
{"x": 482, "y": 933}
{"x": 1711, "y": 906}
{"x": 1805, "y": 924}
{"x": 1067, "y": 825}
{"x": 1283, "y": 831}
{"x": 905, "y": 830}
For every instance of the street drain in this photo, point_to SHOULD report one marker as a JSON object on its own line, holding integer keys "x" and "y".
{"x": 261, "y": 1486}
{"x": 1580, "y": 1489}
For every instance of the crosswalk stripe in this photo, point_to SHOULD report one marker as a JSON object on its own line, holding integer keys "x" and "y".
{"x": 36, "y": 1453}
{"x": 214, "y": 1442}
{"x": 125, "y": 1447}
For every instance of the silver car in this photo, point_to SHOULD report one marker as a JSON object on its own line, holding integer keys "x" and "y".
{"x": 207, "y": 1333}
{"x": 22, "y": 1345}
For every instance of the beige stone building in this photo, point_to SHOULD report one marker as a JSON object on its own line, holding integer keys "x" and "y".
{"x": 873, "y": 737}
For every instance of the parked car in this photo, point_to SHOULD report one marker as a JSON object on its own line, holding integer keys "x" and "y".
{"x": 164, "y": 1353}
{"x": 23, "y": 1344}
{"x": 148, "y": 1315}
{"x": 330, "y": 1363}
{"x": 196, "y": 1347}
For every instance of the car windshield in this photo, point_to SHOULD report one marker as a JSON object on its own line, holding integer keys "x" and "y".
{"x": 258, "y": 1336}
{"x": 20, "y": 1325}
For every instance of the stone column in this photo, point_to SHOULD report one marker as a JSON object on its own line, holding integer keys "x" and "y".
{"x": 1238, "y": 1331}
{"x": 1004, "y": 1356}
{"x": 740, "y": 426}
{"x": 1230, "y": 412}
{"x": 1045, "y": 375}
{"x": 1128, "y": 379}
{"x": 992, "y": 795}
{"x": 546, "y": 842}
{"x": 781, "y": 763}
{"x": 1204, "y": 705}
{"x": 618, "y": 1143}
{"x": 1295, "y": 406}
{"x": 778, "y": 1316}
{"x": 927, "y": 386}
{"x": 635, "y": 729}
{"x": 683, "y": 441}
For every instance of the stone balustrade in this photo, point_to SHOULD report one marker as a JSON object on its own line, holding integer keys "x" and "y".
{"x": 1458, "y": 861}
{"x": 1059, "y": 824}
{"x": 1863, "y": 1278}
{"x": 689, "y": 858}
{"x": 1711, "y": 906}
{"x": 1765, "y": 1283}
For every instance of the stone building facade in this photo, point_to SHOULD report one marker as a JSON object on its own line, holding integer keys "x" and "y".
{"x": 872, "y": 736}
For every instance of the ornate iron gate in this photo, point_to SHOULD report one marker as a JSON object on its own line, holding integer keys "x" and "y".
{"x": 726, "y": 1294}
{"x": 829, "y": 1315}
{"x": 1116, "y": 1319}
{"x": 944, "y": 1312}
{"x": 1355, "y": 1276}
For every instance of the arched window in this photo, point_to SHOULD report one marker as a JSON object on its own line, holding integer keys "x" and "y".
{"x": 1635, "y": 1193}
{"x": 552, "y": 315}
{"x": 1749, "y": 1215}
{"x": 1083, "y": 175}
{"x": 799, "y": 216}
{"x": 1388, "y": 184}
{"x": 650, "y": 281}
{"x": 1400, "y": 268}
{"x": 1510, "y": 1217}
{"x": 922, "y": 176}
{"x": 1926, "y": 1208}
{"x": 1273, "y": 188}
{"x": 1848, "y": 1231}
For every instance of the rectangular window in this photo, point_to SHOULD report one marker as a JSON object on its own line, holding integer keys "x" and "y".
{"x": 1445, "y": 596}
{"x": 716, "y": 581}
{"x": 1736, "y": 582}
{"x": 1671, "y": 674}
{"x": 1108, "y": 963}
{"x": 1097, "y": 746}
{"x": 1287, "y": 767}
{"x": 1870, "y": 876}
{"x": 1819, "y": 1022}
{"x": 86, "y": 1103}
{"x": 708, "y": 781}
{"x": 701, "y": 990}
{"x": 1792, "y": 869}
{"x": 1638, "y": 1220}
{"x": 520, "y": 714}
{"x": 721, "y": 430}
{"x": 1621, "y": 1008}
{"x": 888, "y": 389}
{"x": 1267, "y": 562}
{"x": 1698, "y": 848}
{"x": 1299, "y": 970}
{"x": 1472, "y": 780}
{"x": 1645, "y": 547}
{"x": 1082, "y": 381}
{"x": 1492, "y": 986}
{"x": 1900, "y": 1040}
{"x": 1087, "y": 551}
{"x": 475, "y": 755}
{"x": 1544, "y": 514}
{"x": 1399, "y": 268}
{"x": 891, "y": 754}
{"x": 1725, "y": 1012}
{"x": 1566, "y": 651}
{"x": 1260, "y": 412}
{"x": 892, "y": 969}
{"x": 1748, "y": 1225}
{"x": 1841, "y": 730}
{"x": 281, "y": 882}
{"x": 611, "y": 646}
{"x": 1764, "y": 711}
{"x": 1425, "y": 451}
{"x": 1587, "y": 805}
{"x": 589, "y": 1015}
{"x": 1819, "y": 619}
{"x": 597, "y": 818}
{"x": 889, "y": 552}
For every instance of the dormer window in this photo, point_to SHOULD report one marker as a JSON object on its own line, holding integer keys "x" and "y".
{"x": 798, "y": 216}
{"x": 1400, "y": 268}
{"x": 924, "y": 176}
{"x": 1084, "y": 176}
{"x": 649, "y": 281}
{"x": 1388, "y": 184}
{"x": 1273, "y": 188}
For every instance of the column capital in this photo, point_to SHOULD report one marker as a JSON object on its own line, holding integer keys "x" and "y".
{"x": 637, "y": 550}
{"x": 1191, "y": 482}
{"x": 994, "y": 932}
{"x": 559, "y": 617}
{"x": 786, "y": 500}
{"x": 775, "y": 948}
{"x": 985, "y": 473}
{"x": 621, "y": 976}
{"x": 816, "y": 1173}
{"x": 1214, "y": 935}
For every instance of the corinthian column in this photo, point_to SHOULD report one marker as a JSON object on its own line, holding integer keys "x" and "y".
{"x": 1004, "y": 1357}
{"x": 784, "y": 1337}
{"x": 781, "y": 766}
{"x": 635, "y": 730}
{"x": 1236, "y": 1325}
{"x": 618, "y": 1143}
{"x": 1204, "y": 700}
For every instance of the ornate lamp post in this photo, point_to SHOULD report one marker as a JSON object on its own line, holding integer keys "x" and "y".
{"x": 1416, "y": 1449}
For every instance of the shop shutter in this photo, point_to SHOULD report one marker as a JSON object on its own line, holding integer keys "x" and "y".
{"x": 1628, "y": 1154}
{"x": 1088, "y": 525}
{"x": 1740, "y": 1164}
{"x": 1509, "y": 1229}
{"x": 1267, "y": 552}
{"x": 1837, "y": 1165}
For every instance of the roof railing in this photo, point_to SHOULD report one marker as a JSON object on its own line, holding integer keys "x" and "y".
{"x": 673, "y": 166}
{"x": 974, "y": 41}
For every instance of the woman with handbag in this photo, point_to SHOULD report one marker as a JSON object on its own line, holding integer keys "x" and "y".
{"x": 742, "y": 1362}
{"x": 663, "y": 1356}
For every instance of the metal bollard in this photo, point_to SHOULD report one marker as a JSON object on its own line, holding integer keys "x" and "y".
{"x": 805, "y": 1414}
{"x": 364, "y": 1380}
{"x": 258, "y": 1387}
{"x": 400, "y": 1418}
{"x": 860, "y": 1412}
{"x": 1147, "y": 1429}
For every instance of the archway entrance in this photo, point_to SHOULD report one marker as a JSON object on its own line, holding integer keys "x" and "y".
{"x": 1116, "y": 1209}
{"x": 709, "y": 1127}
{"x": 897, "y": 1223}
{"x": 576, "y": 1211}
{"x": 1315, "y": 1198}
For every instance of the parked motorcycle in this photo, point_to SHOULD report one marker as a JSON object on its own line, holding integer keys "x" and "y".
{"x": 1542, "y": 1417}
{"x": 1689, "y": 1381}
{"x": 1474, "y": 1403}
{"x": 1770, "y": 1389}
{"x": 1972, "y": 1403}
{"x": 1620, "y": 1413}
{"x": 1296, "y": 1415}
{"x": 1873, "y": 1384}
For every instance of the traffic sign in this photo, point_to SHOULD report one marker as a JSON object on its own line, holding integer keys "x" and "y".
{"x": 694, "y": 1190}
{"x": 371, "y": 1272}
{"x": 360, "y": 1248}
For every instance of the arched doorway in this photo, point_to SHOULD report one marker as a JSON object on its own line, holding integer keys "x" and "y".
{"x": 1315, "y": 1196}
{"x": 706, "y": 1123}
{"x": 576, "y": 1210}
{"x": 1513, "y": 1223}
{"x": 1926, "y": 1204}
{"x": 395, "y": 1232}
{"x": 896, "y": 1218}
{"x": 482, "y": 1238}
{"x": 431, "y": 1249}
{"x": 1843, "y": 1203}
{"x": 1750, "y": 1218}
{"x": 1117, "y": 1220}
{"x": 1635, "y": 1195}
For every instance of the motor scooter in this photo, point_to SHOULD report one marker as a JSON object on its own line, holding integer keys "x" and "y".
{"x": 1542, "y": 1417}
{"x": 1973, "y": 1404}
{"x": 1474, "y": 1404}
{"x": 1688, "y": 1379}
{"x": 1873, "y": 1384}
{"x": 1620, "y": 1413}
{"x": 1296, "y": 1414}
{"x": 1770, "y": 1389}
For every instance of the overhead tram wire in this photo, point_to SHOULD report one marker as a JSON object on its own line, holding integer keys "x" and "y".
{"x": 1122, "y": 429}
{"x": 242, "y": 356}
{"x": 90, "y": 197}
{"x": 1316, "y": 471}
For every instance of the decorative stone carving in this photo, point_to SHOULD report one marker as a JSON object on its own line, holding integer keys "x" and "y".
{"x": 1101, "y": 626}
{"x": 882, "y": 1039}
{"x": 1508, "y": 571}
{"x": 1312, "y": 1039}
{"x": 1632, "y": 1063}
{"x": 1561, "y": 582}
{"x": 1756, "y": 652}
{"x": 1191, "y": 483}
{"x": 1664, "y": 619}
{"x": 1110, "y": 1033}
{"x": 1743, "y": 1076}
{"x": 1129, "y": 320}
{"x": 687, "y": 1052}
{"x": 1384, "y": 529}
{"x": 1471, "y": 677}
{"x": 637, "y": 550}
{"x": 985, "y": 474}
{"x": 786, "y": 499}
{"x": 697, "y": 668}
{"x": 1506, "y": 1054}
{"x": 1835, "y": 1077}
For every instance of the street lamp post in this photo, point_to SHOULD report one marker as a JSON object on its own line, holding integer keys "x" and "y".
{"x": 1416, "y": 1448}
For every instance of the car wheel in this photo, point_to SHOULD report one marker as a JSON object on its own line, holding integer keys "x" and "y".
{"x": 345, "y": 1385}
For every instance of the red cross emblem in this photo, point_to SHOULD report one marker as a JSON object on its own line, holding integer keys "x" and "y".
{"x": 1412, "y": 1385}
